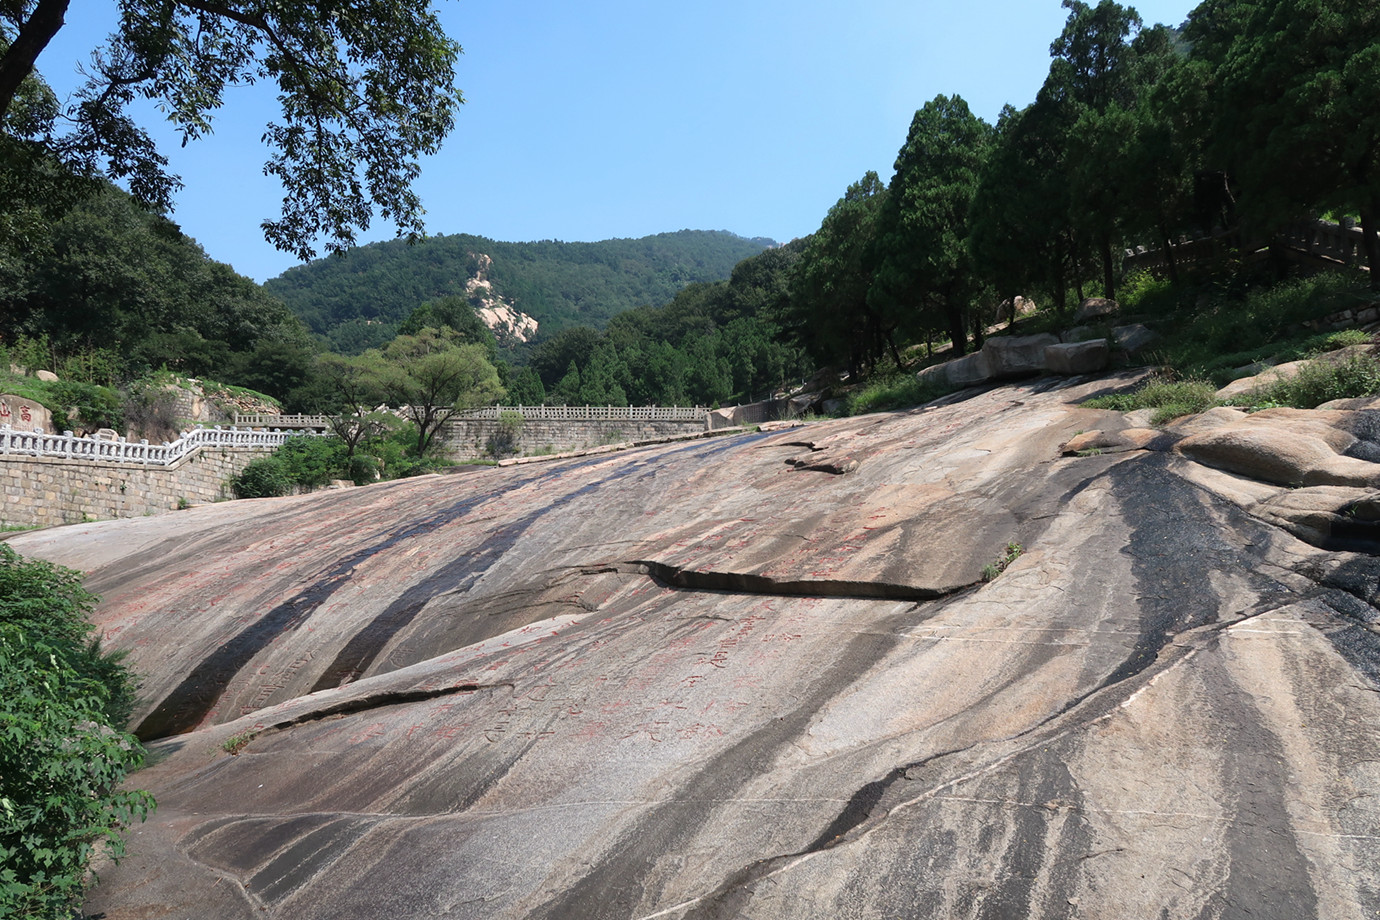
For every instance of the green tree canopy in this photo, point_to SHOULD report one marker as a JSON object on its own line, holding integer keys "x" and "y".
{"x": 432, "y": 377}
{"x": 366, "y": 89}
{"x": 1296, "y": 116}
{"x": 455, "y": 313}
{"x": 924, "y": 276}
{"x": 828, "y": 310}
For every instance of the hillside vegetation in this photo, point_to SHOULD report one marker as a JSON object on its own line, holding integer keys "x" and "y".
{"x": 358, "y": 300}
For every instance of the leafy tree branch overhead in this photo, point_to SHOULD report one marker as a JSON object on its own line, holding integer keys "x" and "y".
{"x": 365, "y": 89}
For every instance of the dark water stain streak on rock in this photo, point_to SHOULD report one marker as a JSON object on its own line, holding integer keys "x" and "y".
{"x": 615, "y": 887}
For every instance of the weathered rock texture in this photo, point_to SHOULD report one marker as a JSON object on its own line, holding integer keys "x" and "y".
{"x": 762, "y": 677}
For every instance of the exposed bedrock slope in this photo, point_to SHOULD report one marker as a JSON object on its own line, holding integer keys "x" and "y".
{"x": 762, "y": 676}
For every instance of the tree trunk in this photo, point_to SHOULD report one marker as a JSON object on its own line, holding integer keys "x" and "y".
{"x": 1170, "y": 264}
{"x": 895, "y": 355}
{"x": 1108, "y": 268}
{"x": 18, "y": 60}
{"x": 1371, "y": 243}
{"x": 1061, "y": 288}
{"x": 956, "y": 334}
{"x": 977, "y": 329}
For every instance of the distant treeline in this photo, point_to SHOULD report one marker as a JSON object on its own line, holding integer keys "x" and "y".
{"x": 358, "y": 300}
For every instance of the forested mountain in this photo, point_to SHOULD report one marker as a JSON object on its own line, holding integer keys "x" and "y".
{"x": 357, "y": 300}
{"x": 712, "y": 344}
{"x": 110, "y": 277}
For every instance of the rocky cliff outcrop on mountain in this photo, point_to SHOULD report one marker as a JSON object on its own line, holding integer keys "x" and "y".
{"x": 504, "y": 319}
{"x": 937, "y": 663}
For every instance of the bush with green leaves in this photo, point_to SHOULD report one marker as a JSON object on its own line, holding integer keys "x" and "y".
{"x": 96, "y": 406}
{"x": 1355, "y": 375}
{"x": 311, "y": 462}
{"x": 302, "y": 463}
{"x": 1230, "y": 328}
{"x": 1143, "y": 292}
{"x": 266, "y": 477}
{"x": 506, "y": 435}
{"x": 62, "y": 756}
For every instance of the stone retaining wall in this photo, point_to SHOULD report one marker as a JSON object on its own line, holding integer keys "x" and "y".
{"x": 43, "y": 491}
{"x": 470, "y": 439}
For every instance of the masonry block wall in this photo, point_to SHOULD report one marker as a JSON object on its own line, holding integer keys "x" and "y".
{"x": 469, "y": 439}
{"x": 43, "y": 491}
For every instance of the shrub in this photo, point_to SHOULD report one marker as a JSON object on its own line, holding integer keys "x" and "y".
{"x": 504, "y": 440}
{"x": 1321, "y": 381}
{"x": 362, "y": 469}
{"x": 62, "y": 758}
{"x": 1143, "y": 292}
{"x": 151, "y": 411}
{"x": 97, "y": 406}
{"x": 265, "y": 477}
{"x": 311, "y": 462}
{"x": 98, "y": 366}
{"x": 1239, "y": 323}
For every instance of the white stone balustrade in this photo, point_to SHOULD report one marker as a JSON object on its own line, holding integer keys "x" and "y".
{"x": 69, "y": 447}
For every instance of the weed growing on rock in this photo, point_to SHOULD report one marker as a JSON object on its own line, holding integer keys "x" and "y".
{"x": 995, "y": 568}
{"x": 235, "y": 743}
{"x": 900, "y": 392}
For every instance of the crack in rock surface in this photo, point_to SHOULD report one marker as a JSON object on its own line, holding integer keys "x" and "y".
{"x": 690, "y": 682}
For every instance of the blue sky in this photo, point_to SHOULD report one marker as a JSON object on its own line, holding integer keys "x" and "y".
{"x": 614, "y": 118}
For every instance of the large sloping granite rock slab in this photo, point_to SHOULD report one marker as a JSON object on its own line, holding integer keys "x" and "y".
{"x": 761, "y": 676}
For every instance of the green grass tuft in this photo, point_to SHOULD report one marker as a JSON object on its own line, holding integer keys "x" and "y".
{"x": 1170, "y": 399}
{"x": 1320, "y": 381}
{"x": 897, "y": 392}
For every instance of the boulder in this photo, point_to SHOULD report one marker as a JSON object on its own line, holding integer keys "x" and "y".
{"x": 1095, "y": 308}
{"x": 968, "y": 370}
{"x": 1134, "y": 337}
{"x": 1280, "y": 455}
{"x": 46, "y": 376}
{"x": 1322, "y": 514}
{"x": 1009, "y": 357}
{"x": 1263, "y": 377}
{"x": 1212, "y": 419}
{"x": 1078, "y": 334}
{"x": 1077, "y": 357}
{"x": 1114, "y": 442}
{"x": 24, "y": 414}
